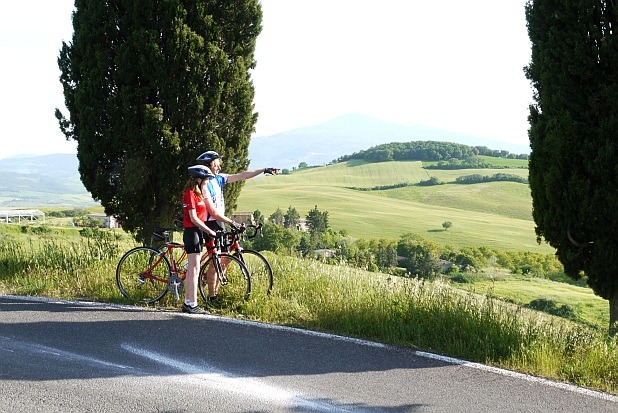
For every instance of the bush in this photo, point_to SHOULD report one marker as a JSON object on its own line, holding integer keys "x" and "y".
{"x": 431, "y": 182}
{"x": 550, "y": 307}
{"x": 478, "y": 178}
{"x": 38, "y": 230}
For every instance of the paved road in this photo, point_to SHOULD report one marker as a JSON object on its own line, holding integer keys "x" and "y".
{"x": 80, "y": 357}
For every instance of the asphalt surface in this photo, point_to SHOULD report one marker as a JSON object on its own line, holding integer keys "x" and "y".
{"x": 58, "y": 356}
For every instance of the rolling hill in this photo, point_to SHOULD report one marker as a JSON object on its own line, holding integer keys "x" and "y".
{"x": 494, "y": 214}
{"x": 54, "y": 179}
{"x": 35, "y": 181}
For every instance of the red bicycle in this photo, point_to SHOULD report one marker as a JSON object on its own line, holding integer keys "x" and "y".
{"x": 146, "y": 274}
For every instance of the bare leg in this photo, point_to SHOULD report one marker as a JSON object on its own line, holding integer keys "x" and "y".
{"x": 213, "y": 281}
{"x": 193, "y": 270}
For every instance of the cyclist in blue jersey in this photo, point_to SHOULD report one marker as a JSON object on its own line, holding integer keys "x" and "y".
{"x": 214, "y": 187}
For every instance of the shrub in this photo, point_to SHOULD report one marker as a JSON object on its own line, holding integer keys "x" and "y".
{"x": 431, "y": 182}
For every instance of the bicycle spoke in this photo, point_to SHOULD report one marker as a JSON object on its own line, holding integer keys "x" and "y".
{"x": 234, "y": 281}
{"x": 142, "y": 275}
{"x": 260, "y": 271}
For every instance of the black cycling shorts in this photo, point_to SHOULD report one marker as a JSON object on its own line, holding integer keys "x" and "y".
{"x": 193, "y": 238}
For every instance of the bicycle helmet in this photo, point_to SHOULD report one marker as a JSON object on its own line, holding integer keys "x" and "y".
{"x": 207, "y": 157}
{"x": 200, "y": 171}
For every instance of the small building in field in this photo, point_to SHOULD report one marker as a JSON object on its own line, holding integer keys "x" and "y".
{"x": 301, "y": 225}
{"x": 324, "y": 253}
{"x": 243, "y": 218}
{"x": 107, "y": 221}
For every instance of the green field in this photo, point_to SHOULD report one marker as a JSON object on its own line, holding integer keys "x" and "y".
{"x": 494, "y": 214}
{"x": 575, "y": 302}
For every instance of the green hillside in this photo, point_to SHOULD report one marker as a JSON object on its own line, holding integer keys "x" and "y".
{"x": 27, "y": 190}
{"x": 494, "y": 214}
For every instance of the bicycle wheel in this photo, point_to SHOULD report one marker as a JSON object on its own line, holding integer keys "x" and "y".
{"x": 260, "y": 271}
{"x": 235, "y": 282}
{"x": 142, "y": 275}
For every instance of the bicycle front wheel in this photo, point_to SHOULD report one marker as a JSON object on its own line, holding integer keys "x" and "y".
{"x": 142, "y": 275}
{"x": 234, "y": 280}
{"x": 260, "y": 271}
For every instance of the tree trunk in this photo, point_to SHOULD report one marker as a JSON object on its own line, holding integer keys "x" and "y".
{"x": 613, "y": 314}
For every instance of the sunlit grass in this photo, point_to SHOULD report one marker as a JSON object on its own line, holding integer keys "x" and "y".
{"x": 573, "y": 301}
{"x": 494, "y": 214}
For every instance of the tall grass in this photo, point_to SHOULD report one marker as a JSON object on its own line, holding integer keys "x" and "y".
{"x": 428, "y": 315}
{"x": 436, "y": 317}
{"x": 60, "y": 265}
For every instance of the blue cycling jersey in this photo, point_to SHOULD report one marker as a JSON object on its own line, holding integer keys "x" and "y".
{"x": 215, "y": 189}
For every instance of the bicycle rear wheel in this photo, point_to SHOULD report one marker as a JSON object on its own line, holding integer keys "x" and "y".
{"x": 142, "y": 275}
{"x": 260, "y": 271}
{"x": 235, "y": 282}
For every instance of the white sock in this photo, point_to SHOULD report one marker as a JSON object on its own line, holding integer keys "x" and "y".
{"x": 190, "y": 303}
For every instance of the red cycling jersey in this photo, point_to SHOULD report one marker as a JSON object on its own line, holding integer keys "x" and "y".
{"x": 191, "y": 200}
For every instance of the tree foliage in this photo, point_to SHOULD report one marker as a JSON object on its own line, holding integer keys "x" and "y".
{"x": 478, "y": 178}
{"x": 422, "y": 257}
{"x": 150, "y": 85}
{"x": 291, "y": 217}
{"x": 317, "y": 221}
{"x": 573, "y": 137}
{"x": 427, "y": 151}
{"x": 277, "y": 217}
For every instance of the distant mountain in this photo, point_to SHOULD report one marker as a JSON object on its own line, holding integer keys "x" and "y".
{"x": 59, "y": 165}
{"x": 347, "y": 134}
{"x": 44, "y": 180}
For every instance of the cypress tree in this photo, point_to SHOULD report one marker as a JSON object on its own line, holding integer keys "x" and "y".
{"x": 149, "y": 85}
{"x": 574, "y": 137}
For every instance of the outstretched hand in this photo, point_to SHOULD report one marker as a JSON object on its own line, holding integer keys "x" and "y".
{"x": 271, "y": 171}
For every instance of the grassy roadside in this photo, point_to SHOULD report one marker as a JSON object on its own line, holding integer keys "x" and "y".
{"x": 432, "y": 316}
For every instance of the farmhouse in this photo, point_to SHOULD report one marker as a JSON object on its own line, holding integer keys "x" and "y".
{"x": 243, "y": 218}
{"x": 106, "y": 220}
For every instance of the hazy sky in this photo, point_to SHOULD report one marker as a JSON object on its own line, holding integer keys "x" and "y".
{"x": 455, "y": 65}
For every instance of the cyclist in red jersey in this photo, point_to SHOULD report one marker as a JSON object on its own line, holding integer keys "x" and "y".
{"x": 194, "y": 209}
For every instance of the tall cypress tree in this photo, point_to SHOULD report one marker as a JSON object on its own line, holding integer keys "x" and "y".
{"x": 574, "y": 137}
{"x": 149, "y": 85}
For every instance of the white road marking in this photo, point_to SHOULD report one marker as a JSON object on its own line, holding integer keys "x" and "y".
{"x": 12, "y": 345}
{"x": 224, "y": 381}
{"x": 521, "y": 376}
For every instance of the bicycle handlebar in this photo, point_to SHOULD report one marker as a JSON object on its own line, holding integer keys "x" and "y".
{"x": 228, "y": 238}
{"x": 244, "y": 227}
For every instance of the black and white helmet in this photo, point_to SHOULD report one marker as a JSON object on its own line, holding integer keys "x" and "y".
{"x": 207, "y": 157}
{"x": 200, "y": 171}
